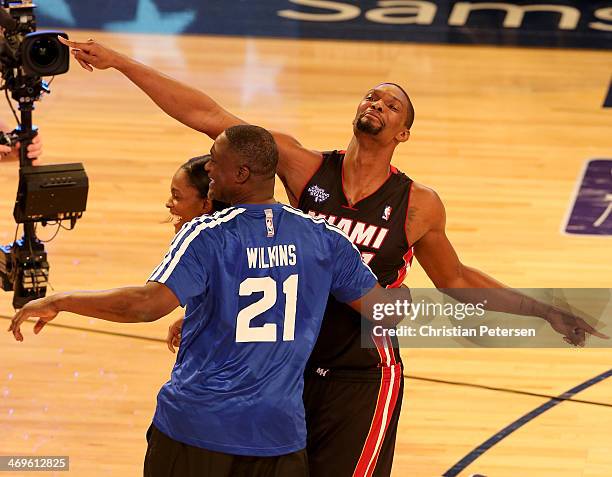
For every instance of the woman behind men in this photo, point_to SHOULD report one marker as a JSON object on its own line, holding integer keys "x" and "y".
{"x": 188, "y": 200}
{"x": 189, "y": 193}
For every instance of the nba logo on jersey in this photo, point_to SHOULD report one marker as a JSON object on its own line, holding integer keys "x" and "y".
{"x": 269, "y": 222}
{"x": 387, "y": 213}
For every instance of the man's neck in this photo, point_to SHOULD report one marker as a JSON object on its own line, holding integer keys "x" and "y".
{"x": 270, "y": 200}
{"x": 263, "y": 194}
{"x": 366, "y": 168}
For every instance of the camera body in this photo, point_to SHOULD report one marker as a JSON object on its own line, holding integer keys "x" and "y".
{"x": 27, "y": 55}
{"x": 49, "y": 193}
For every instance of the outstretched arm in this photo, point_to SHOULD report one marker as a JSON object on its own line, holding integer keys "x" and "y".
{"x": 121, "y": 305}
{"x": 179, "y": 100}
{"x": 469, "y": 285}
{"x": 196, "y": 109}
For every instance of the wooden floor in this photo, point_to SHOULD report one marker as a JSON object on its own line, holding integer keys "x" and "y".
{"x": 501, "y": 134}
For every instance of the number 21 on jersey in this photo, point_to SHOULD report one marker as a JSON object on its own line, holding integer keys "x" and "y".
{"x": 268, "y": 332}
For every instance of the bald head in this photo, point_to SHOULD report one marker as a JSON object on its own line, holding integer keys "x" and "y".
{"x": 407, "y": 102}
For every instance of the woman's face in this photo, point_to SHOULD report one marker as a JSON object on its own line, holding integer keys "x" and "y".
{"x": 185, "y": 202}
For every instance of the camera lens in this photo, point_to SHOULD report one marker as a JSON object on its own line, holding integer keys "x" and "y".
{"x": 43, "y": 55}
{"x": 44, "y": 52}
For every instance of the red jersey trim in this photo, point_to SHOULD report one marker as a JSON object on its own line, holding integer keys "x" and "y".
{"x": 403, "y": 271}
{"x": 388, "y": 393}
{"x": 407, "y": 209}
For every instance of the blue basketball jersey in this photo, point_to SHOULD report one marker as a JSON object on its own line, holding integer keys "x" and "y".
{"x": 255, "y": 280}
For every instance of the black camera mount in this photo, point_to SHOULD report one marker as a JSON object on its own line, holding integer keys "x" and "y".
{"x": 45, "y": 193}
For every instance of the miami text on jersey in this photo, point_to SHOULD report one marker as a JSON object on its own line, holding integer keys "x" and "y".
{"x": 360, "y": 233}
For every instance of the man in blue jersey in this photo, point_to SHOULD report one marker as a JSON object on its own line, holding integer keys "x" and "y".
{"x": 255, "y": 279}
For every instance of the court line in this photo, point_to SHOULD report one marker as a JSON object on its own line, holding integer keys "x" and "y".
{"x": 407, "y": 376}
{"x": 608, "y": 101}
{"x": 100, "y": 332}
{"x": 506, "y": 431}
{"x": 505, "y": 390}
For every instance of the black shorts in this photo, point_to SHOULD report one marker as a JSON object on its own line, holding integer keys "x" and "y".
{"x": 352, "y": 419}
{"x": 169, "y": 458}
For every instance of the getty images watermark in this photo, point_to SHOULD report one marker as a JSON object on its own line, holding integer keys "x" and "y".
{"x": 472, "y": 318}
{"x": 457, "y": 311}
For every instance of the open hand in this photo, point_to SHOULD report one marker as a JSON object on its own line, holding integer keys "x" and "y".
{"x": 44, "y": 309}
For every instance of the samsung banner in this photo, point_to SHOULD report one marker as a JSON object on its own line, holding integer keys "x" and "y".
{"x": 552, "y": 23}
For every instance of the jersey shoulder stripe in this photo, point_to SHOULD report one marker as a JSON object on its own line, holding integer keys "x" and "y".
{"x": 328, "y": 226}
{"x": 162, "y": 272}
{"x": 185, "y": 230}
{"x": 319, "y": 220}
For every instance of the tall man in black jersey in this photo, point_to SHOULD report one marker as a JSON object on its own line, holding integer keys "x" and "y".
{"x": 352, "y": 393}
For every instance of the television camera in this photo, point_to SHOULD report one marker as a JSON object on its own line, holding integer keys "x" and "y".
{"x": 46, "y": 194}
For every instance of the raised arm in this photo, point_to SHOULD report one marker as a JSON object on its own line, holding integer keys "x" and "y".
{"x": 196, "y": 109}
{"x": 296, "y": 165}
{"x": 121, "y": 305}
{"x": 179, "y": 100}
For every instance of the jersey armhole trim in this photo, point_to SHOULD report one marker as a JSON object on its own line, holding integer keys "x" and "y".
{"x": 407, "y": 209}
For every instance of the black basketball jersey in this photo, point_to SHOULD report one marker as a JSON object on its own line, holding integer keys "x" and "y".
{"x": 377, "y": 226}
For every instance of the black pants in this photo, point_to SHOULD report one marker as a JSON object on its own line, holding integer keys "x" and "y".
{"x": 352, "y": 420}
{"x": 169, "y": 458}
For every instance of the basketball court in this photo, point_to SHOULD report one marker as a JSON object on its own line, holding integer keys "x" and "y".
{"x": 503, "y": 134}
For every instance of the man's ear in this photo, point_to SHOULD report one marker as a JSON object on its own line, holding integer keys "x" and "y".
{"x": 207, "y": 206}
{"x": 243, "y": 174}
{"x": 403, "y": 136}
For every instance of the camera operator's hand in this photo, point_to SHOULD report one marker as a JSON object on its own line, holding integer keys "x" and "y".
{"x": 92, "y": 55}
{"x": 34, "y": 149}
{"x": 12, "y": 154}
{"x": 44, "y": 309}
{"x": 5, "y": 151}
{"x": 8, "y": 153}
